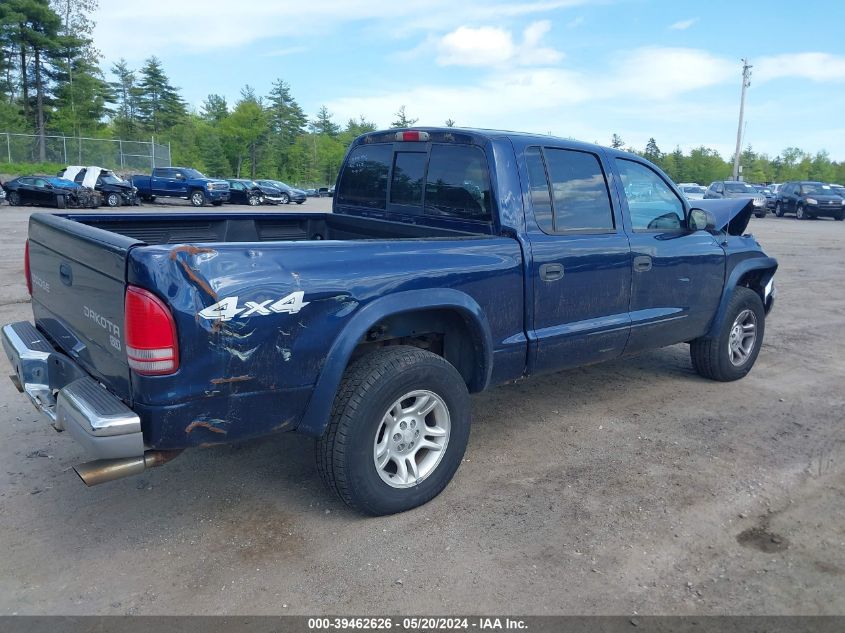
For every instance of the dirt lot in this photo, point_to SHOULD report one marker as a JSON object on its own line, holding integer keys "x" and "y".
{"x": 631, "y": 487}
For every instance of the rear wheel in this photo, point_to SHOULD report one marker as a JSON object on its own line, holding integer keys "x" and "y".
{"x": 732, "y": 353}
{"x": 198, "y": 198}
{"x": 14, "y": 198}
{"x": 398, "y": 431}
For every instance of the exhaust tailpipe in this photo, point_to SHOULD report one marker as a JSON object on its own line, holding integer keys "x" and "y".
{"x": 102, "y": 470}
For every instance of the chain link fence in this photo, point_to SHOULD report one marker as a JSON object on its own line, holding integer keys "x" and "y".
{"x": 77, "y": 150}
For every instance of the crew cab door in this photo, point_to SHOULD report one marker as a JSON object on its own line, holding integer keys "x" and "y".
{"x": 678, "y": 275}
{"x": 580, "y": 270}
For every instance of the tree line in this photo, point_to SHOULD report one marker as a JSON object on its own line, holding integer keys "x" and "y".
{"x": 52, "y": 81}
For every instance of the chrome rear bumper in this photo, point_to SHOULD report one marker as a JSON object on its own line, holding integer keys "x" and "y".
{"x": 69, "y": 397}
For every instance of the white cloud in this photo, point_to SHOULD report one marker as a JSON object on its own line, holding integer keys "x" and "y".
{"x": 658, "y": 72}
{"x": 575, "y": 22}
{"x": 136, "y": 30}
{"x": 813, "y": 66}
{"x": 683, "y": 25}
{"x": 493, "y": 46}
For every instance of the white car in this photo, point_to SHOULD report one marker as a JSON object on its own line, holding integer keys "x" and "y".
{"x": 692, "y": 192}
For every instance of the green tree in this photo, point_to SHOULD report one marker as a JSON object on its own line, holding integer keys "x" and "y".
{"x": 214, "y": 109}
{"x": 160, "y": 106}
{"x": 402, "y": 119}
{"x": 324, "y": 124}
{"x": 616, "y": 141}
{"x": 287, "y": 122}
{"x": 449, "y": 123}
{"x": 652, "y": 152}
{"x": 125, "y": 93}
{"x": 244, "y": 132}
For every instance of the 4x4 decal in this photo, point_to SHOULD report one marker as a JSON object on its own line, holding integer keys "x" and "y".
{"x": 227, "y": 309}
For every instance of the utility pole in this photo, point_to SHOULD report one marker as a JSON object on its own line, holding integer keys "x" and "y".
{"x": 746, "y": 81}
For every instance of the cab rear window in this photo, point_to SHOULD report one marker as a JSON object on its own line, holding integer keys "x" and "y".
{"x": 448, "y": 181}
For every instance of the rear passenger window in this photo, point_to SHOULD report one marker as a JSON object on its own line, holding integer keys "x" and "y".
{"x": 580, "y": 198}
{"x": 458, "y": 183}
{"x": 363, "y": 182}
{"x": 652, "y": 204}
{"x": 538, "y": 185}
{"x": 406, "y": 186}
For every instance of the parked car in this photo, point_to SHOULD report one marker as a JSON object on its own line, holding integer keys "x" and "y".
{"x": 369, "y": 326}
{"x": 47, "y": 191}
{"x": 287, "y": 194}
{"x": 323, "y": 192}
{"x": 114, "y": 190}
{"x": 245, "y": 192}
{"x": 181, "y": 182}
{"x": 692, "y": 192}
{"x": 2, "y": 193}
{"x": 838, "y": 190}
{"x": 689, "y": 184}
{"x": 311, "y": 193}
{"x": 737, "y": 189}
{"x": 770, "y": 195}
{"x": 809, "y": 199}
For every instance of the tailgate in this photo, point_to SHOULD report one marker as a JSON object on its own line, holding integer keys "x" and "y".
{"x": 78, "y": 283}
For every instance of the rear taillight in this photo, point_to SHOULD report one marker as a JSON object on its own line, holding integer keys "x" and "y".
{"x": 26, "y": 270}
{"x": 151, "y": 343}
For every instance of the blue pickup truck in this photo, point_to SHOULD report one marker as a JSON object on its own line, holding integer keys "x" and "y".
{"x": 453, "y": 261}
{"x": 181, "y": 182}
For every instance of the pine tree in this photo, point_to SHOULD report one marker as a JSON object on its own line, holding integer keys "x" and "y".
{"x": 159, "y": 105}
{"x": 214, "y": 109}
{"x": 323, "y": 124}
{"x": 125, "y": 93}
{"x": 402, "y": 120}
{"x": 616, "y": 142}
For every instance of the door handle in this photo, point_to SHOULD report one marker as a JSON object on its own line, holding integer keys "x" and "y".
{"x": 551, "y": 272}
{"x": 642, "y": 263}
{"x": 66, "y": 274}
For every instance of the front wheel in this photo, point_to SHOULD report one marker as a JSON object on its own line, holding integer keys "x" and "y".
{"x": 398, "y": 431}
{"x": 254, "y": 201}
{"x": 800, "y": 213}
{"x": 839, "y": 216}
{"x": 779, "y": 209}
{"x": 284, "y": 198}
{"x": 732, "y": 353}
{"x": 113, "y": 200}
{"x": 198, "y": 198}
{"x": 14, "y": 198}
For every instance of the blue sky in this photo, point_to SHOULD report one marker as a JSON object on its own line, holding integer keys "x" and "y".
{"x": 577, "y": 68}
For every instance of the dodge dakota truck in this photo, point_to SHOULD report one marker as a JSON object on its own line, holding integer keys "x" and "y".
{"x": 181, "y": 182}
{"x": 453, "y": 261}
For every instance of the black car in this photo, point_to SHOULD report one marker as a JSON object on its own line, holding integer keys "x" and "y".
{"x": 810, "y": 199}
{"x": 771, "y": 197}
{"x": 114, "y": 190}
{"x": 45, "y": 191}
{"x": 288, "y": 194}
{"x": 737, "y": 189}
{"x": 243, "y": 191}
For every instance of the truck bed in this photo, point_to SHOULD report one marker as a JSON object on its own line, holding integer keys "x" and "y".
{"x": 153, "y": 228}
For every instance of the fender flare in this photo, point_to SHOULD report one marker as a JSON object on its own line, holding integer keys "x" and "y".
{"x": 743, "y": 267}
{"x": 316, "y": 416}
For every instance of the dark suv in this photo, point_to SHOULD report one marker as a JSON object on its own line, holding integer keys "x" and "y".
{"x": 810, "y": 199}
{"x": 737, "y": 189}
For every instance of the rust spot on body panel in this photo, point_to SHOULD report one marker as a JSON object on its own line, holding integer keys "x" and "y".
{"x": 225, "y": 381}
{"x": 204, "y": 424}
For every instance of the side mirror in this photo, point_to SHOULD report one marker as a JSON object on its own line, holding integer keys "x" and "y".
{"x": 701, "y": 220}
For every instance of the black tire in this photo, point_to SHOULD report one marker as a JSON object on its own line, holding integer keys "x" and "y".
{"x": 711, "y": 357}
{"x": 759, "y": 215}
{"x": 779, "y": 209}
{"x": 800, "y": 213}
{"x": 198, "y": 198}
{"x": 300, "y": 201}
{"x": 113, "y": 199}
{"x": 370, "y": 386}
{"x": 217, "y": 203}
{"x": 284, "y": 198}
{"x": 14, "y": 198}
{"x": 839, "y": 216}
{"x": 254, "y": 200}
{"x": 61, "y": 202}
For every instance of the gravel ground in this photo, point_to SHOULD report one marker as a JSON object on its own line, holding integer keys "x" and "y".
{"x": 630, "y": 487}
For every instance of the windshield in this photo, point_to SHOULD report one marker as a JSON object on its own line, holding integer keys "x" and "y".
{"x": 693, "y": 189}
{"x": 738, "y": 187}
{"x": 817, "y": 188}
{"x": 109, "y": 178}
